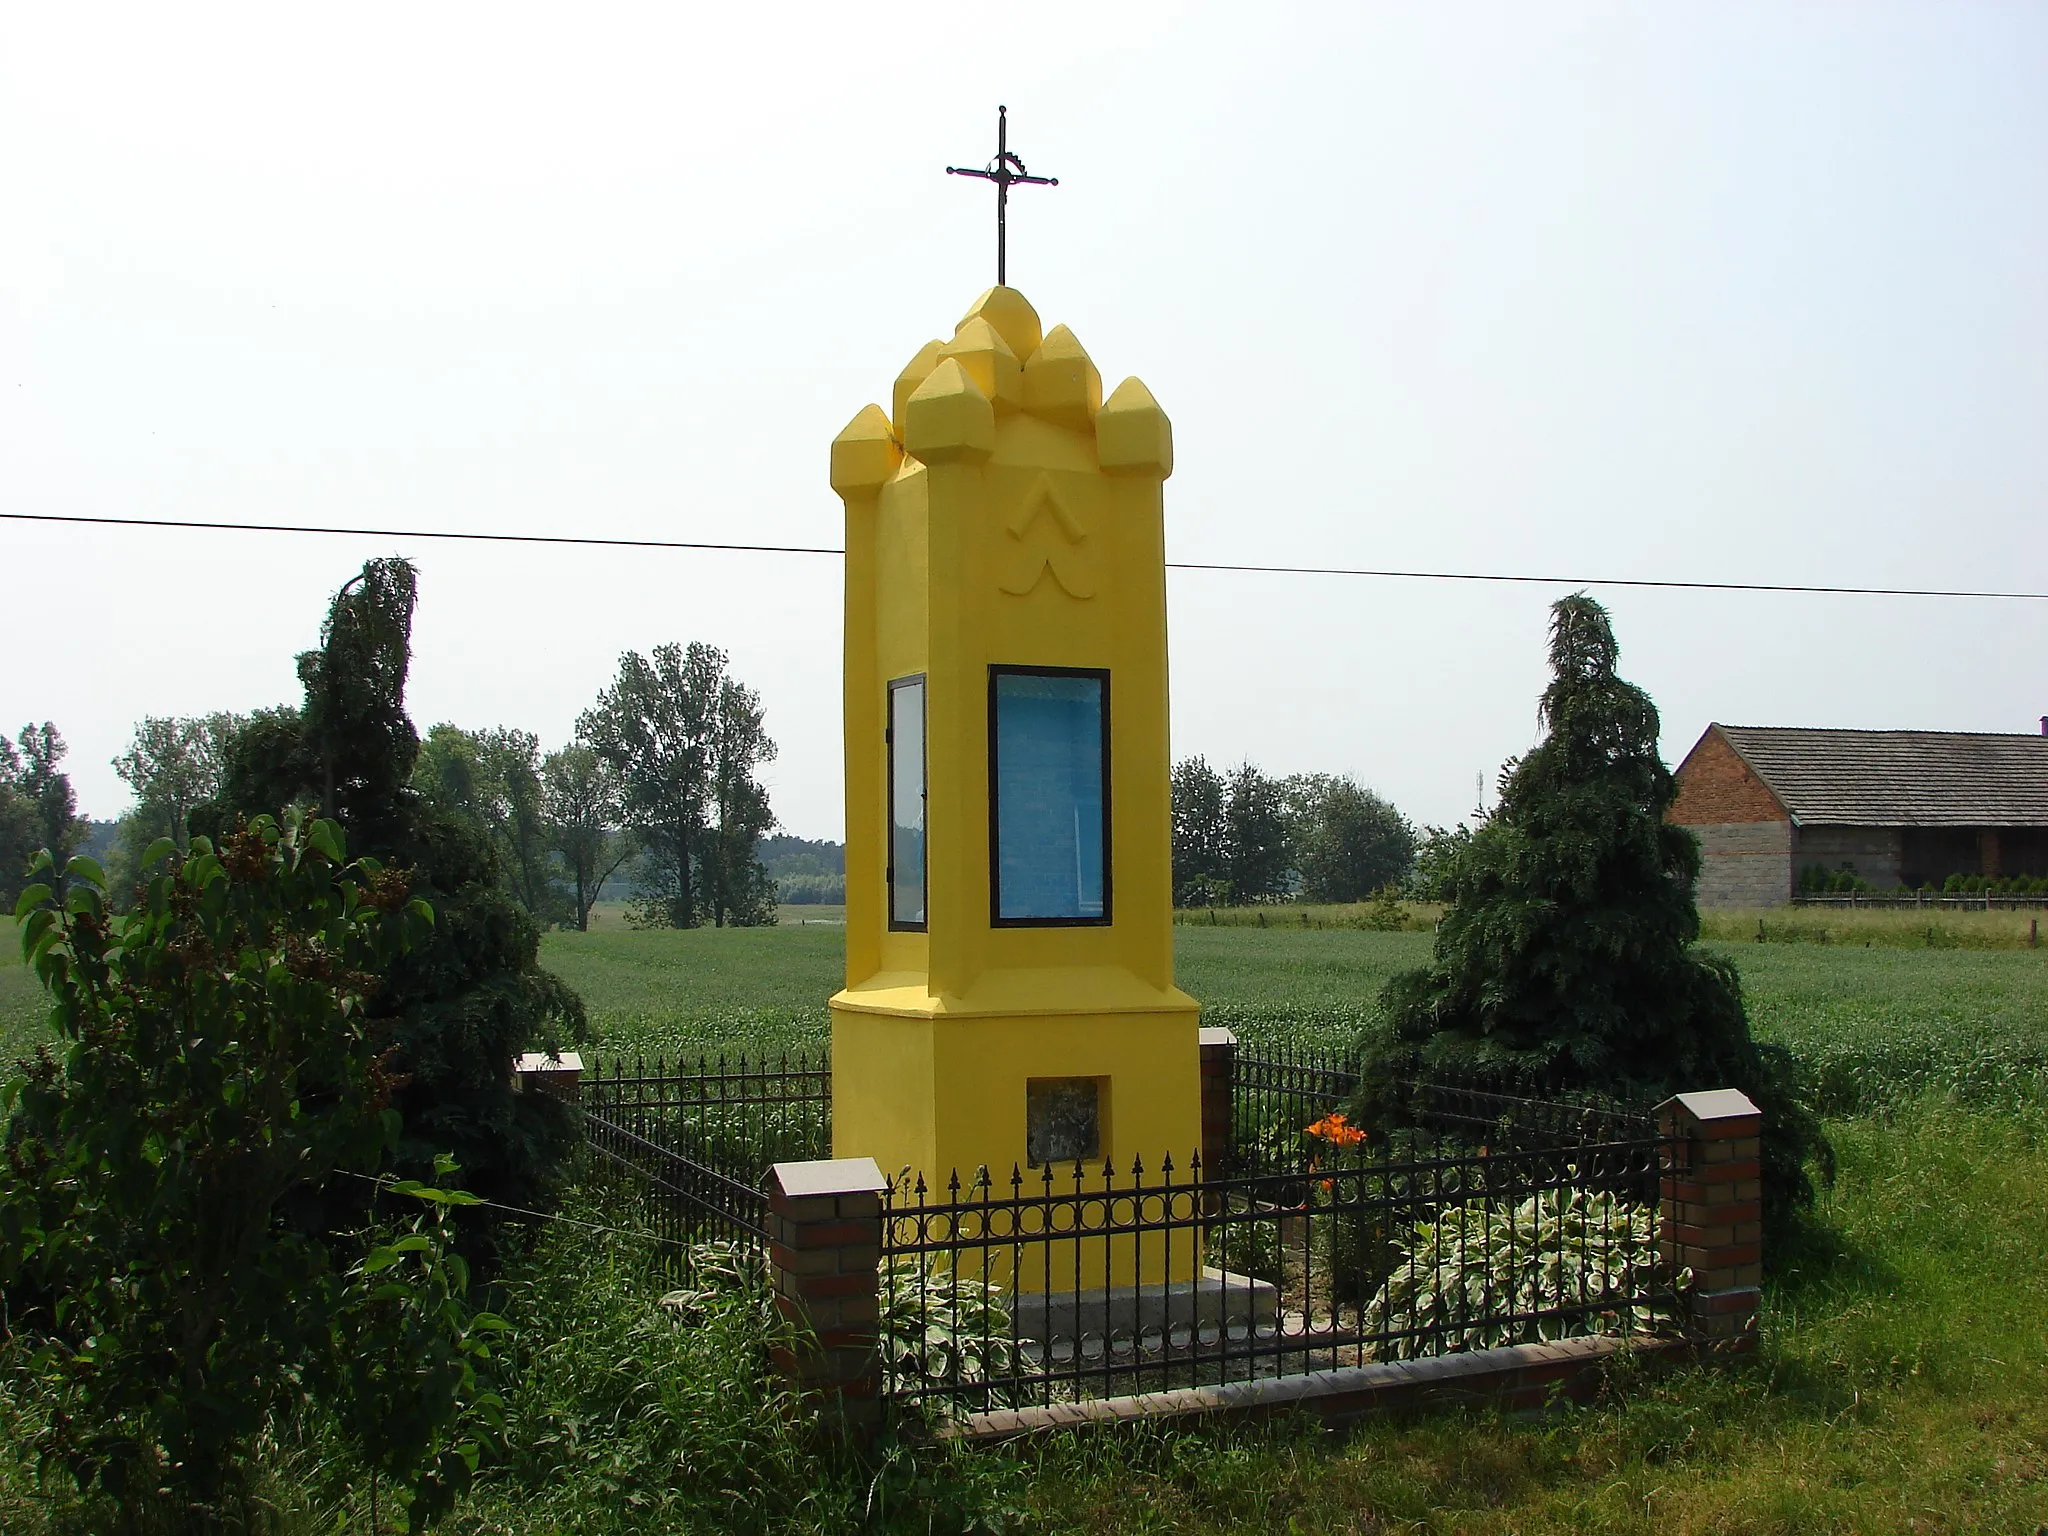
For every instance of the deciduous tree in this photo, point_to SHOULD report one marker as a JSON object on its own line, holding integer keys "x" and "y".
{"x": 1344, "y": 840}
{"x": 580, "y": 805}
{"x": 738, "y": 891}
{"x": 1255, "y": 847}
{"x": 1201, "y": 836}
{"x": 175, "y": 765}
{"x": 493, "y": 777}
{"x": 37, "y": 807}
{"x": 685, "y": 739}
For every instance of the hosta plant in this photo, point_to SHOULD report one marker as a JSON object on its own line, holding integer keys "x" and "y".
{"x": 942, "y": 1328}
{"x": 1558, "y": 1264}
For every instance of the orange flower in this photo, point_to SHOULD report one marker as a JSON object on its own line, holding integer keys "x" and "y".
{"x": 1337, "y": 1130}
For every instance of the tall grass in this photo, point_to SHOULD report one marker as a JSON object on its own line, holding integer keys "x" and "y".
{"x": 1366, "y": 916}
{"x": 1883, "y": 927}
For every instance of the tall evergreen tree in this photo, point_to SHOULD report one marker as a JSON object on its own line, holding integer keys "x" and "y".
{"x": 471, "y": 995}
{"x": 1569, "y": 950}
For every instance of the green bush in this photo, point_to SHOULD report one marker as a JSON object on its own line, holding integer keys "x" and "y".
{"x": 1556, "y": 1249}
{"x": 1569, "y": 955}
{"x": 942, "y": 1328}
{"x": 221, "y": 1067}
{"x": 470, "y": 996}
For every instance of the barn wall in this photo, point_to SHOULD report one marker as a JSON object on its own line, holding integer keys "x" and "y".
{"x": 1874, "y": 853}
{"x": 1745, "y": 836}
{"x": 1745, "y": 864}
{"x": 1716, "y": 787}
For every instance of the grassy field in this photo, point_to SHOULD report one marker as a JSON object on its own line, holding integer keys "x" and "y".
{"x": 1903, "y": 1383}
{"x": 1873, "y": 1023}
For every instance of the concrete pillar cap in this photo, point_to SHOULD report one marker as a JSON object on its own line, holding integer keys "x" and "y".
{"x": 1713, "y": 1104}
{"x": 829, "y": 1176}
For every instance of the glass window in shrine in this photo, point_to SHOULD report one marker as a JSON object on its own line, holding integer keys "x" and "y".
{"x": 1049, "y": 784}
{"x": 906, "y": 803}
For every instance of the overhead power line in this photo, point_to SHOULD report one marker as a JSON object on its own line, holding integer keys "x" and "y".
{"x": 1172, "y": 565}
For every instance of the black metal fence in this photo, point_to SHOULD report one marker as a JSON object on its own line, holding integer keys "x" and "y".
{"x": 1496, "y": 1221}
{"x": 1491, "y": 1218}
{"x": 696, "y": 1137}
{"x": 1279, "y": 1090}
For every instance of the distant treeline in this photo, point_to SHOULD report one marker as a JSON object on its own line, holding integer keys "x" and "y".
{"x": 656, "y": 798}
{"x": 1244, "y": 837}
{"x": 806, "y": 872}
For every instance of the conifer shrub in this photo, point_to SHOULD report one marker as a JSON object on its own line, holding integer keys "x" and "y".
{"x": 1567, "y": 955}
{"x": 471, "y": 996}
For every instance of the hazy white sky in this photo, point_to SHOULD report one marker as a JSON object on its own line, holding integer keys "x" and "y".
{"x": 1710, "y": 292}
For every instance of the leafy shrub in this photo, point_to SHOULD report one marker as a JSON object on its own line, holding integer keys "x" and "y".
{"x": 1250, "y": 1248}
{"x": 1384, "y": 914}
{"x": 940, "y": 1327}
{"x": 1476, "y": 1277}
{"x": 221, "y": 1068}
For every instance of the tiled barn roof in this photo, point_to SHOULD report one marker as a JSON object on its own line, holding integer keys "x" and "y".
{"x": 1900, "y": 778}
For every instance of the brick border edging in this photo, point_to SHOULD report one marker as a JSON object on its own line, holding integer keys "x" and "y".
{"x": 1516, "y": 1376}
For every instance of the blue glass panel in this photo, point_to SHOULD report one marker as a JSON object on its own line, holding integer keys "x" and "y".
{"x": 1051, "y": 856}
{"x": 906, "y": 802}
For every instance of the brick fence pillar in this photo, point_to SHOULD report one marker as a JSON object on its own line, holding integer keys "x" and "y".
{"x": 537, "y": 1072}
{"x": 824, "y": 1258}
{"x": 1219, "y": 1077}
{"x": 1712, "y": 1217}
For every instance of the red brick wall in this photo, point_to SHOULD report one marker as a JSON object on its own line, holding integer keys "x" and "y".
{"x": 1716, "y": 788}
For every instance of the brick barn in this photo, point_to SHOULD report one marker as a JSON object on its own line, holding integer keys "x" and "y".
{"x": 1897, "y": 808}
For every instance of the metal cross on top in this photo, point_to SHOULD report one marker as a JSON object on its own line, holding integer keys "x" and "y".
{"x": 1006, "y": 171}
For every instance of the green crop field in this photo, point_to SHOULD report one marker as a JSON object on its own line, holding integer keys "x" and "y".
{"x": 1872, "y": 1023}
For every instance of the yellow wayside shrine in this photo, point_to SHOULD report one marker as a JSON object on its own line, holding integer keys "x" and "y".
{"x": 1009, "y": 993}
